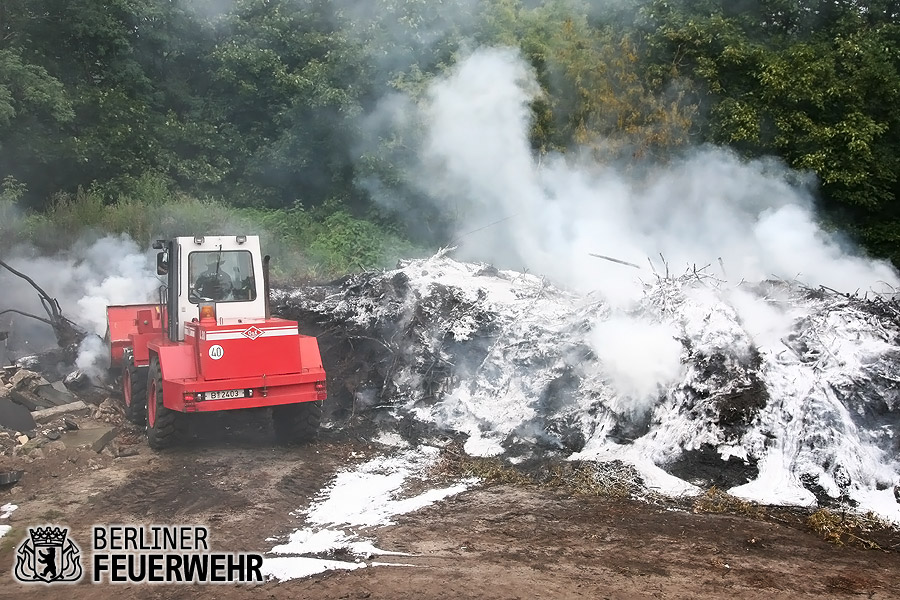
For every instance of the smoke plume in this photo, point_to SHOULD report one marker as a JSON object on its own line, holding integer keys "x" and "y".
{"x": 85, "y": 280}
{"x": 709, "y": 210}
{"x": 746, "y": 219}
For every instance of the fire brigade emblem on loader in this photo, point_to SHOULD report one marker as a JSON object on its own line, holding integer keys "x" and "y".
{"x": 48, "y": 556}
{"x": 210, "y": 343}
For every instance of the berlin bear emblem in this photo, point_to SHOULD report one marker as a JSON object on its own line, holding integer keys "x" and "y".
{"x": 48, "y": 556}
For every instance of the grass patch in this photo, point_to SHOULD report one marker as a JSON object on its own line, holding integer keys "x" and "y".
{"x": 612, "y": 479}
{"x": 490, "y": 470}
{"x": 718, "y": 501}
{"x": 841, "y": 528}
{"x": 838, "y": 528}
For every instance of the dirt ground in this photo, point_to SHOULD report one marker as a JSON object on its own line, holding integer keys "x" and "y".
{"x": 493, "y": 541}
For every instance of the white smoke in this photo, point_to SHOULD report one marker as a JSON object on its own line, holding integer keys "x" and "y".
{"x": 85, "y": 280}
{"x": 640, "y": 358}
{"x": 754, "y": 218}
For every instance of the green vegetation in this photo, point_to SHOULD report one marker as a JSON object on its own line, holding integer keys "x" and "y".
{"x": 151, "y": 117}
{"x": 318, "y": 244}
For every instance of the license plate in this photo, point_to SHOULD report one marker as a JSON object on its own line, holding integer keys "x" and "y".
{"x": 225, "y": 394}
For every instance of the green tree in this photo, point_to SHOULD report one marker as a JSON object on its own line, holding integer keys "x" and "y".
{"x": 286, "y": 90}
{"x": 816, "y": 83}
{"x": 592, "y": 68}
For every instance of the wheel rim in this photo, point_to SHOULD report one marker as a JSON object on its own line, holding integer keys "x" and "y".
{"x": 126, "y": 385}
{"x": 151, "y": 404}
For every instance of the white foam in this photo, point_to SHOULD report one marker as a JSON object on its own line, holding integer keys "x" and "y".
{"x": 807, "y": 378}
{"x": 356, "y": 501}
{"x": 6, "y": 510}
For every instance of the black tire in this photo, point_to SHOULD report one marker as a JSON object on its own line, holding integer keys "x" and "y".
{"x": 134, "y": 391}
{"x": 162, "y": 423}
{"x": 297, "y": 423}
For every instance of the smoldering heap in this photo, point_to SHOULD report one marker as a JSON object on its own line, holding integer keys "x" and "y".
{"x": 779, "y": 393}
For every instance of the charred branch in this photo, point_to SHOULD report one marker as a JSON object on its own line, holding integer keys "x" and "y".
{"x": 66, "y": 331}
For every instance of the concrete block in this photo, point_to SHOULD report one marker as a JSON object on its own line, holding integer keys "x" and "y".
{"x": 28, "y": 400}
{"x": 54, "y": 396}
{"x": 51, "y": 413}
{"x": 96, "y": 438}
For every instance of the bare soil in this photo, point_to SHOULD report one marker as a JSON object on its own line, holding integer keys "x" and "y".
{"x": 494, "y": 541}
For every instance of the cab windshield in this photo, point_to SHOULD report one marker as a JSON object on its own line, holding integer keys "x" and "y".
{"x": 221, "y": 276}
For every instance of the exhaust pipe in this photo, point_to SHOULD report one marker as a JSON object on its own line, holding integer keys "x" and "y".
{"x": 266, "y": 288}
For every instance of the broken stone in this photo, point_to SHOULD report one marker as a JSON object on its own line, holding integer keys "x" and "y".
{"x": 77, "y": 380}
{"x": 22, "y": 377}
{"x": 22, "y": 439}
{"x": 10, "y": 477}
{"x": 4, "y": 391}
{"x": 55, "y": 446}
{"x": 27, "y": 399}
{"x": 36, "y": 442}
{"x": 15, "y": 416}
{"x": 95, "y": 438}
{"x": 128, "y": 451}
{"x": 36, "y": 454}
{"x": 54, "y": 396}
{"x": 70, "y": 425}
{"x": 109, "y": 411}
{"x": 52, "y": 434}
{"x": 50, "y": 413}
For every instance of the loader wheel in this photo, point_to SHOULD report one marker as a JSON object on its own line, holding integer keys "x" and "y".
{"x": 162, "y": 422}
{"x": 134, "y": 391}
{"x": 297, "y": 423}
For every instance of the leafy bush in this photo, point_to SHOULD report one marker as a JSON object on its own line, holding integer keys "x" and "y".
{"x": 308, "y": 245}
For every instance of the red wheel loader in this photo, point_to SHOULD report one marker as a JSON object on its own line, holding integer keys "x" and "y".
{"x": 210, "y": 344}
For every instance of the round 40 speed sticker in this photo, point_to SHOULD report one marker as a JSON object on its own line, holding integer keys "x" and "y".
{"x": 216, "y": 352}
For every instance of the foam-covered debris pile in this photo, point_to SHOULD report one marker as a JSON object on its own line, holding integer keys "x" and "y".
{"x": 779, "y": 393}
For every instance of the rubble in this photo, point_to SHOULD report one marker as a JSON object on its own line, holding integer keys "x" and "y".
{"x": 72, "y": 408}
{"x": 109, "y": 411}
{"x": 37, "y": 416}
{"x": 77, "y": 380}
{"x": 791, "y": 395}
{"x": 23, "y": 378}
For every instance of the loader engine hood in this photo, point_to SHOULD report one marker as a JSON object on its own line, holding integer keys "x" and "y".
{"x": 262, "y": 347}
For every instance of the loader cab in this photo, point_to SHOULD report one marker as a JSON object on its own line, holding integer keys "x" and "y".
{"x": 225, "y": 272}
